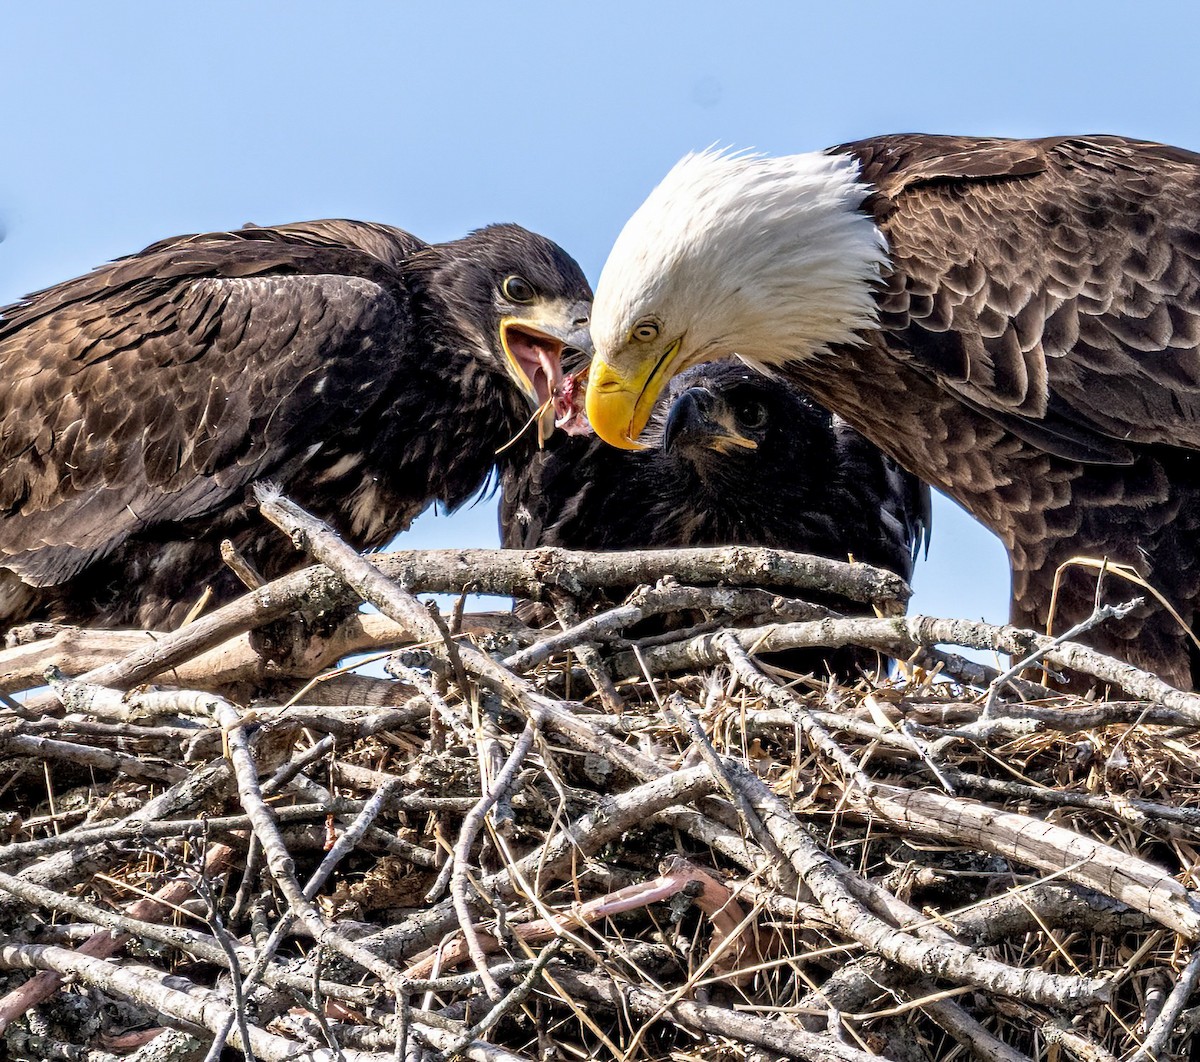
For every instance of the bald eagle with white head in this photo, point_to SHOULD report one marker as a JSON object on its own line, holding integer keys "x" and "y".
{"x": 1015, "y": 321}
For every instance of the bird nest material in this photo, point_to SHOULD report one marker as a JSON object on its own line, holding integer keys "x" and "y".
{"x": 613, "y": 840}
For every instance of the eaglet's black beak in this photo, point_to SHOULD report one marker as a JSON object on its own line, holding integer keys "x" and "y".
{"x": 698, "y": 418}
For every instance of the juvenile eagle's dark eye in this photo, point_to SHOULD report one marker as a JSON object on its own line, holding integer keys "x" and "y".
{"x": 517, "y": 289}
{"x": 753, "y": 414}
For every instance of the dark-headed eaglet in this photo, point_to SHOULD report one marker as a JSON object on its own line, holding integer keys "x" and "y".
{"x": 365, "y": 371}
{"x": 1015, "y": 321}
{"x": 734, "y": 458}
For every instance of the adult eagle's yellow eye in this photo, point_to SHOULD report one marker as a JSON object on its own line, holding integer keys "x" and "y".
{"x": 517, "y": 289}
{"x": 645, "y": 331}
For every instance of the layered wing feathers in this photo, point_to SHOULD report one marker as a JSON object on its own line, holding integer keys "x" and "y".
{"x": 165, "y": 382}
{"x": 1053, "y": 284}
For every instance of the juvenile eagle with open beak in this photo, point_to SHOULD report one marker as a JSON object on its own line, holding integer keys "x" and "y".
{"x": 366, "y": 372}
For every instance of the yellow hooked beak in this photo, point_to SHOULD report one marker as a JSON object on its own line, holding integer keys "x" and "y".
{"x": 619, "y": 404}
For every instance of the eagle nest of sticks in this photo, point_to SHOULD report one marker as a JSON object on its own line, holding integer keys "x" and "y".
{"x": 636, "y": 832}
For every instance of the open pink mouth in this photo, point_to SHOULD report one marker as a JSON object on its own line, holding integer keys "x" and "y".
{"x": 539, "y": 358}
{"x": 537, "y": 355}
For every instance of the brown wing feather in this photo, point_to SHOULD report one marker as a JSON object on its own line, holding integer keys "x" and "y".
{"x": 167, "y": 381}
{"x": 1052, "y": 284}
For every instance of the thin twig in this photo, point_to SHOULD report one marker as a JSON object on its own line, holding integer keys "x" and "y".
{"x": 1100, "y": 614}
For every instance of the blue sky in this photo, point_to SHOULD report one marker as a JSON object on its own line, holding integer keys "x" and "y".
{"x": 126, "y": 122}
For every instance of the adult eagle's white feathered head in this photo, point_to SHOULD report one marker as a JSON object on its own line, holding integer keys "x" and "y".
{"x": 769, "y": 258}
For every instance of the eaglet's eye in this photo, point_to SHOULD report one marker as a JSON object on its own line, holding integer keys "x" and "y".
{"x": 517, "y": 289}
{"x": 753, "y": 415}
{"x": 645, "y": 331}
